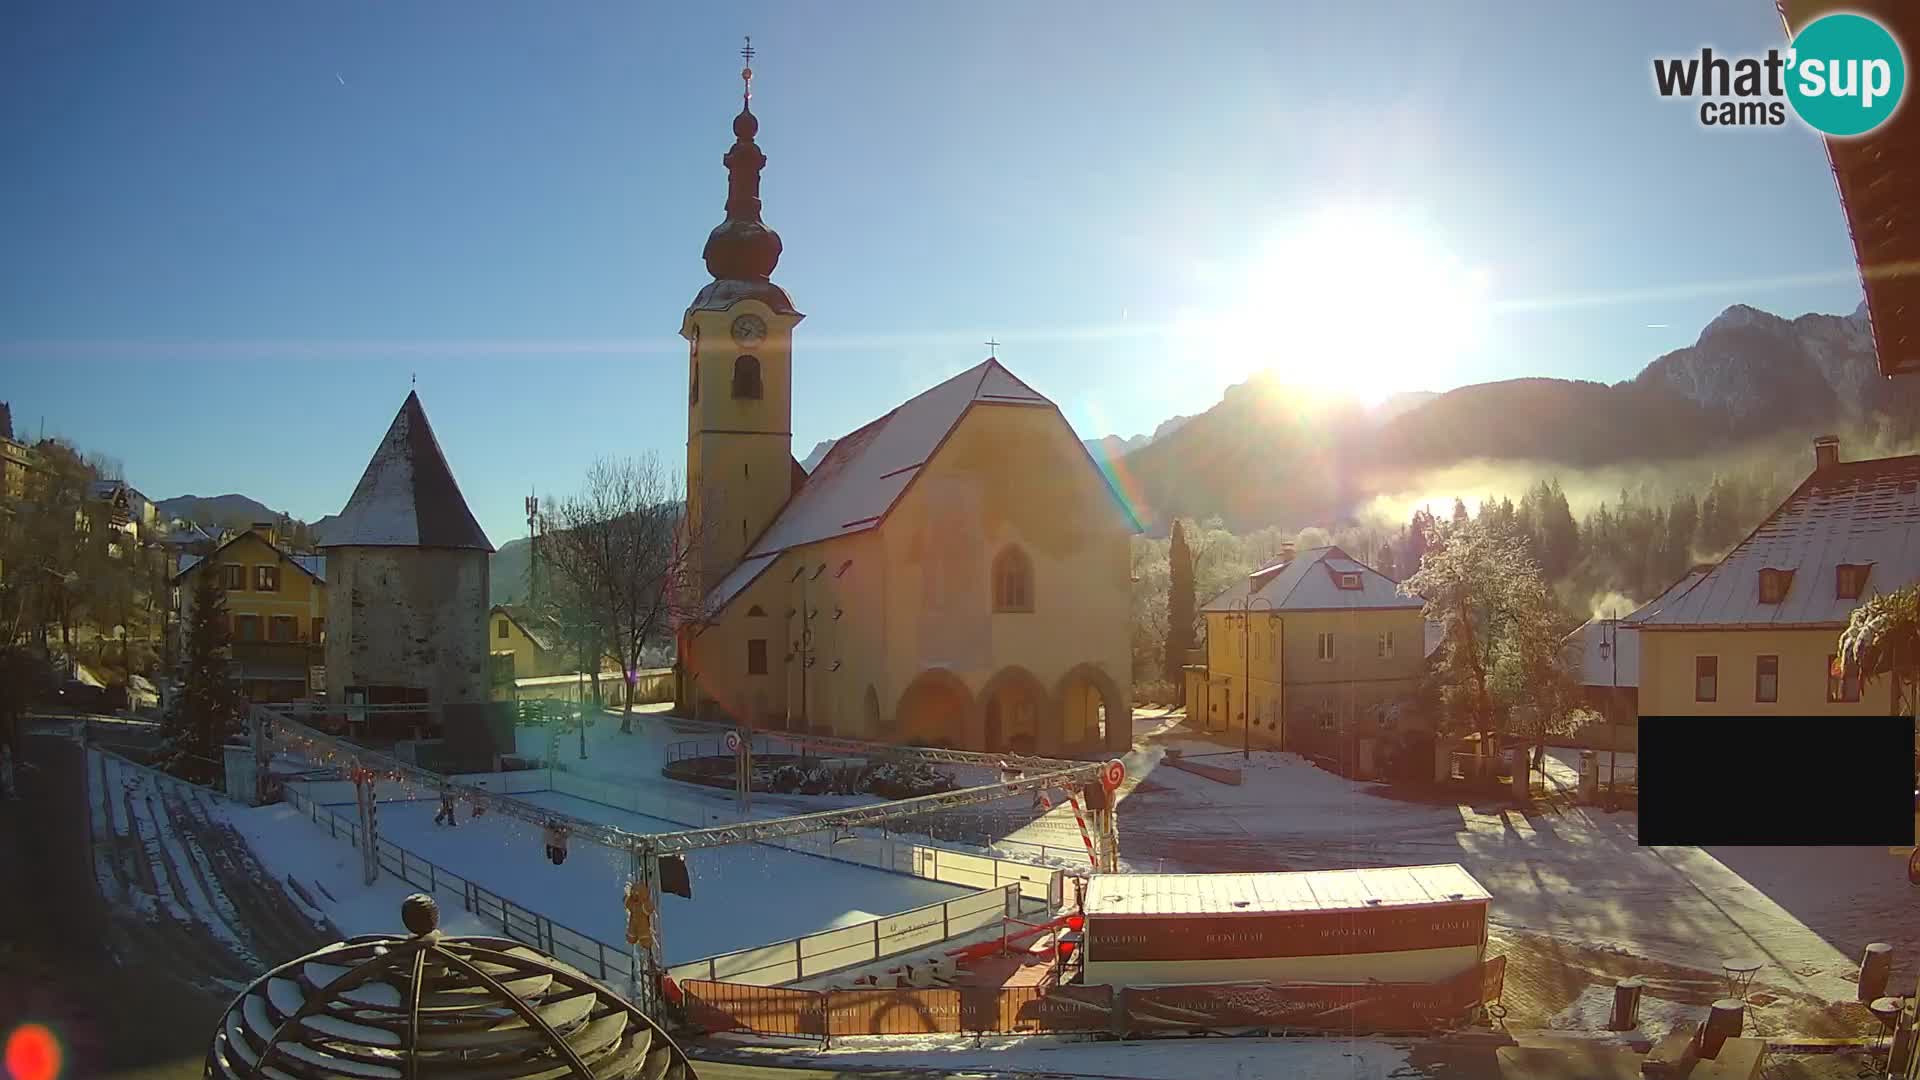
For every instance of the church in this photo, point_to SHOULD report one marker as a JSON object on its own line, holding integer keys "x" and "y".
{"x": 956, "y": 573}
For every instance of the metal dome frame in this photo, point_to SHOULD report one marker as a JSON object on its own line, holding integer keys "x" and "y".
{"x": 258, "y": 1027}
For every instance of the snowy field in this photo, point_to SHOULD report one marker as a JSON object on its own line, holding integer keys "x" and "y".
{"x": 743, "y": 895}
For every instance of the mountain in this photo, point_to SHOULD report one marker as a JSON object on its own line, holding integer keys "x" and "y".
{"x": 215, "y": 511}
{"x": 507, "y": 571}
{"x": 819, "y": 451}
{"x": 1269, "y": 454}
{"x": 1113, "y": 447}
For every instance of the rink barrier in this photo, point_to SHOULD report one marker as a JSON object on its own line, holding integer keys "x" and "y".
{"x": 806, "y": 956}
{"x": 827, "y": 951}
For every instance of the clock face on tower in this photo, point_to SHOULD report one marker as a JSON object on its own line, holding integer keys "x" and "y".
{"x": 749, "y": 330}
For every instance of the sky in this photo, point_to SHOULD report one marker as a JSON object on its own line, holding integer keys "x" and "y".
{"x": 237, "y": 234}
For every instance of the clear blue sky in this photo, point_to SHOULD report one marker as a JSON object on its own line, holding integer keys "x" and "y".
{"x": 234, "y": 230}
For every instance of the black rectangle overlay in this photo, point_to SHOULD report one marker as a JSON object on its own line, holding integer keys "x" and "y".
{"x": 1789, "y": 781}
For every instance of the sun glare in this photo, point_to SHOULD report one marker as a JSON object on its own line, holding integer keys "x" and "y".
{"x": 1358, "y": 301}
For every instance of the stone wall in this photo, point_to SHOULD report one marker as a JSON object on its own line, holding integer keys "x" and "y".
{"x": 402, "y": 616}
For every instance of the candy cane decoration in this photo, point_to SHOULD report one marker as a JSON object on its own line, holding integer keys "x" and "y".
{"x": 1085, "y": 837}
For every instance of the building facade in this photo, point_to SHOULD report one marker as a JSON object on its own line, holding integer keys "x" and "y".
{"x": 407, "y": 569}
{"x": 1758, "y": 632}
{"x": 956, "y": 572}
{"x": 276, "y": 612}
{"x": 1319, "y": 654}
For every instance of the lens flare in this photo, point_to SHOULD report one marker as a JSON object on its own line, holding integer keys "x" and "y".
{"x": 33, "y": 1053}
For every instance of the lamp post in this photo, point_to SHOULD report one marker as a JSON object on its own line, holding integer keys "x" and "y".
{"x": 1610, "y": 651}
{"x": 1247, "y": 606}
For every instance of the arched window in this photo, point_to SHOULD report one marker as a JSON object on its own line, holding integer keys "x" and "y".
{"x": 746, "y": 377}
{"x": 1012, "y": 581}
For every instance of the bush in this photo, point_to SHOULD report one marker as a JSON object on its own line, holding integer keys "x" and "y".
{"x": 1157, "y": 692}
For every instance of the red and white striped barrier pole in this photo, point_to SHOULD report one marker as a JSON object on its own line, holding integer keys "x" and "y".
{"x": 1086, "y": 838}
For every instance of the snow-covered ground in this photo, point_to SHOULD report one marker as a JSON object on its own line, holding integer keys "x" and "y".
{"x": 1172, "y": 1059}
{"x": 1577, "y": 873}
{"x": 743, "y": 895}
{"x": 327, "y": 873}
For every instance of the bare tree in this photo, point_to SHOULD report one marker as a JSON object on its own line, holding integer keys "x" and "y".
{"x": 619, "y": 547}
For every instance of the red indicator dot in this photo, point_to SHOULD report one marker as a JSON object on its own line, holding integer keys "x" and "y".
{"x": 32, "y": 1053}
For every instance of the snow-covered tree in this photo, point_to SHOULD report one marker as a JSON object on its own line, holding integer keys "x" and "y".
{"x": 1882, "y": 639}
{"x": 1501, "y": 646}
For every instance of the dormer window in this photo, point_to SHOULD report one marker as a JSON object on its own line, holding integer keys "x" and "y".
{"x": 746, "y": 377}
{"x": 1347, "y": 580}
{"x": 1774, "y": 585}
{"x": 1850, "y": 580}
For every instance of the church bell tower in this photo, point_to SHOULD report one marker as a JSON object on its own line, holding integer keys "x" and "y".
{"x": 739, "y": 332}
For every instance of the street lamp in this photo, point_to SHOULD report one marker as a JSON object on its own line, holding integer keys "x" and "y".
{"x": 1246, "y": 607}
{"x": 1610, "y": 651}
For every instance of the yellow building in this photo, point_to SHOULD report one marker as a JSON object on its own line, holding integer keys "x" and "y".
{"x": 1756, "y": 634}
{"x": 523, "y": 645}
{"x": 1321, "y": 650}
{"x": 955, "y": 572}
{"x": 276, "y": 609}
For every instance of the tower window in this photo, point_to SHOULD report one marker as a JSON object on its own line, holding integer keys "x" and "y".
{"x": 1012, "y": 581}
{"x": 757, "y": 656}
{"x": 693, "y": 391}
{"x": 500, "y": 629}
{"x": 746, "y": 377}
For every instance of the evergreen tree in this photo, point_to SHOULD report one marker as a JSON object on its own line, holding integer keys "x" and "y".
{"x": 1180, "y": 604}
{"x": 1384, "y": 559}
{"x": 1460, "y": 511}
{"x": 208, "y": 707}
{"x": 1559, "y": 535}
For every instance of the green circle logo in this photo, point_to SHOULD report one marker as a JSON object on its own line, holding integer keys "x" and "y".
{"x": 1845, "y": 74}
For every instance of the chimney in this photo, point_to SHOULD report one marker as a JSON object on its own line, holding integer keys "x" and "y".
{"x": 268, "y": 531}
{"x": 1826, "y": 452}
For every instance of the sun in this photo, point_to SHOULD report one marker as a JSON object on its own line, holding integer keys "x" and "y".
{"x": 1351, "y": 300}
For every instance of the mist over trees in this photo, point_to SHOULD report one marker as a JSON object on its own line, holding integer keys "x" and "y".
{"x": 1622, "y": 551}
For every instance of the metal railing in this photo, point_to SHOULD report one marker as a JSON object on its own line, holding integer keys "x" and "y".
{"x": 595, "y": 957}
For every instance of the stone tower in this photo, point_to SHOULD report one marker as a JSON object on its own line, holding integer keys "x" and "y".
{"x": 739, "y": 331}
{"x": 407, "y": 579}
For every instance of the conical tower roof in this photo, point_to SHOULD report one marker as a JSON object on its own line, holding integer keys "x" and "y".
{"x": 407, "y": 497}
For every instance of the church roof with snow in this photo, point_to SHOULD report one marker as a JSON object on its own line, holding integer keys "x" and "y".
{"x": 407, "y": 497}
{"x": 864, "y": 475}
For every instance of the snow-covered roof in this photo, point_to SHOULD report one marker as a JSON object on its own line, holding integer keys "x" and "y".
{"x": 1311, "y": 582}
{"x": 1854, "y": 513}
{"x": 314, "y": 565}
{"x": 1622, "y": 667}
{"x": 1122, "y": 895}
{"x": 407, "y": 497}
{"x": 544, "y": 632}
{"x": 865, "y": 473}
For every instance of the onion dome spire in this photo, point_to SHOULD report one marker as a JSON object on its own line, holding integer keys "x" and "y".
{"x": 742, "y": 248}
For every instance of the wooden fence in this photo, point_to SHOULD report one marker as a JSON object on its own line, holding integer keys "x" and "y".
{"x": 1359, "y": 1008}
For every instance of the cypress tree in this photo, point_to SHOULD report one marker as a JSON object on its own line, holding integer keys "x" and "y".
{"x": 1180, "y": 604}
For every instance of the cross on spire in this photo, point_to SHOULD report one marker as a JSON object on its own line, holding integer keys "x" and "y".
{"x": 994, "y": 346}
{"x": 746, "y": 73}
